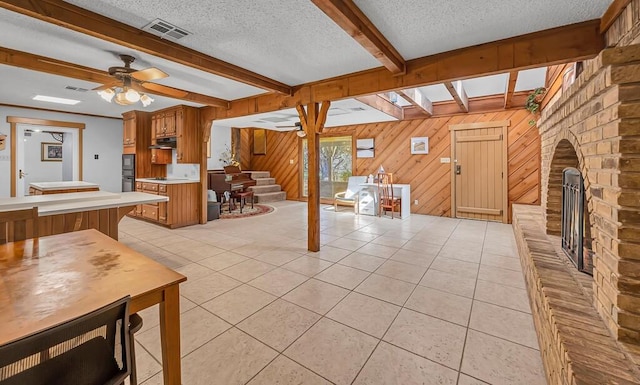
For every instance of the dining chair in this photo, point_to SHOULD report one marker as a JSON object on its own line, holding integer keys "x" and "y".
{"x": 18, "y": 225}
{"x": 349, "y": 197}
{"x": 90, "y": 349}
{"x": 386, "y": 198}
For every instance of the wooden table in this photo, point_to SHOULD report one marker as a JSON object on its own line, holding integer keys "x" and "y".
{"x": 49, "y": 280}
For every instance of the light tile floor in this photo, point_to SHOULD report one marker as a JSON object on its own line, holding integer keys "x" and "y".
{"x": 425, "y": 300}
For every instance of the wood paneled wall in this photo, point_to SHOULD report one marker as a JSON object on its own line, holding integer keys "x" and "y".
{"x": 430, "y": 180}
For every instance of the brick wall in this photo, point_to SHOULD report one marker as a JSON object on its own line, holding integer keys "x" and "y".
{"x": 595, "y": 127}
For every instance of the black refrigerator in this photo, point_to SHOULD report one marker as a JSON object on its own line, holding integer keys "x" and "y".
{"x": 128, "y": 172}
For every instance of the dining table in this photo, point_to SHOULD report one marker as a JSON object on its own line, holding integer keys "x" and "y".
{"x": 49, "y": 280}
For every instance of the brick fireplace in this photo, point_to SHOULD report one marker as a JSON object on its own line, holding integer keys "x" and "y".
{"x": 589, "y": 327}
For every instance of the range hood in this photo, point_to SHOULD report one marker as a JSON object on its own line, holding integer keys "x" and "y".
{"x": 165, "y": 143}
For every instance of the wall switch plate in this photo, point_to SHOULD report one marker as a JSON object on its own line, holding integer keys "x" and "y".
{"x": 445, "y": 160}
{"x": 290, "y": 161}
{"x": 415, "y": 202}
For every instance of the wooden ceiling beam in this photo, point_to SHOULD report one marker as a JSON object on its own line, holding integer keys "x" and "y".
{"x": 61, "y": 68}
{"x": 456, "y": 89}
{"x": 382, "y": 104}
{"x": 418, "y": 99}
{"x": 349, "y": 17}
{"x": 511, "y": 88}
{"x": 81, "y": 20}
{"x": 612, "y": 13}
{"x": 553, "y": 46}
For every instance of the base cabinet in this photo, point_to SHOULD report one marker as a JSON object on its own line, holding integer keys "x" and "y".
{"x": 181, "y": 209}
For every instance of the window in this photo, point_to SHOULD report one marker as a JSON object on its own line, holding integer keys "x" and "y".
{"x": 336, "y": 165}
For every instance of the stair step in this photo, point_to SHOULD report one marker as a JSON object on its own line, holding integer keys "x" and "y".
{"x": 264, "y": 181}
{"x": 260, "y": 174}
{"x": 270, "y": 197}
{"x": 265, "y": 189}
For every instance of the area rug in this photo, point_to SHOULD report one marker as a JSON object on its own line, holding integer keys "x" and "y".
{"x": 247, "y": 211}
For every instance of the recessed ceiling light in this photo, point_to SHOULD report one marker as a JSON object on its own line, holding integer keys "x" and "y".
{"x": 53, "y": 99}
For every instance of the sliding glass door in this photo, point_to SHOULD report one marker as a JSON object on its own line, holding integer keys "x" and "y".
{"x": 336, "y": 165}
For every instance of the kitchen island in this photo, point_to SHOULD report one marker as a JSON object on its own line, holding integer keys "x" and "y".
{"x": 63, "y": 213}
{"x": 61, "y": 187}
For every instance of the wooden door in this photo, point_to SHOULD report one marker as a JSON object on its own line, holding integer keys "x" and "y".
{"x": 479, "y": 171}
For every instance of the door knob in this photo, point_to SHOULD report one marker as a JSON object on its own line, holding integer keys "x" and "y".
{"x": 458, "y": 169}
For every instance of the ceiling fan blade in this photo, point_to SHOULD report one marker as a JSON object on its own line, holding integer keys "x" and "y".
{"x": 107, "y": 85}
{"x": 149, "y": 74}
{"x": 164, "y": 90}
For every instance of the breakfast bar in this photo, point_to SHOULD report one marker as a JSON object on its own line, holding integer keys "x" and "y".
{"x": 67, "y": 212}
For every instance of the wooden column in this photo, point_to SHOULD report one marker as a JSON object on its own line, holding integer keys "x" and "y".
{"x": 207, "y": 116}
{"x": 313, "y": 123}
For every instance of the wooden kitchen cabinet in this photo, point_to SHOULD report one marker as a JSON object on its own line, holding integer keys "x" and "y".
{"x": 181, "y": 209}
{"x": 160, "y": 156}
{"x": 163, "y": 124}
{"x": 189, "y": 135}
{"x": 129, "y": 134}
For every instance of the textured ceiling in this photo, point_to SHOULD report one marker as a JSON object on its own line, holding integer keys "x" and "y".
{"x": 419, "y": 28}
{"x": 291, "y": 41}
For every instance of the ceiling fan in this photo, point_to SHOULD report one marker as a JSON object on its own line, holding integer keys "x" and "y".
{"x": 131, "y": 85}
{"x": 298, "y": 126}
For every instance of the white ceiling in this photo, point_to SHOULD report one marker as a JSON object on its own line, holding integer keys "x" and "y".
{"x": 291, "y": 41}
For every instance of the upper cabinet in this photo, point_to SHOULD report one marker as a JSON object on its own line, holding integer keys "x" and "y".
{"x": 129, "y": 134}
{"x": 163, "y": 124}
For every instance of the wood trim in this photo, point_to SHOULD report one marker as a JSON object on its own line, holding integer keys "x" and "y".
{"x": 511, "y": 87}
{"x": 417, "y": 99}
{"x": 58, "y": 111}
{"x": 479, "y": 138}
{"x": 553, "y": 46}
{"x": 473, "y": 126}
{"x": 383, "y": 105}
{"x": 611, "y": 14}
{"x": 349, "y": 17}
{"x": 15, "y": 120}
{"x": 90, "y": 23}
{"x": 505, "y": 175}
{"x": 14, "y": 145}
{"x": 480, "y": 211}
{"x": 58, "y": 67}
{"x": 456, "y": 89}
{"x": 45, "y": 122}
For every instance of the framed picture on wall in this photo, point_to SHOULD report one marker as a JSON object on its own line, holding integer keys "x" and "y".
{"x": 51, "y": 152}
{"x": 420, "y": 145}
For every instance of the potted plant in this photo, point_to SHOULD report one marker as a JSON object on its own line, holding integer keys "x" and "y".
{"x": 533, "y": 102}
{"x": 228, "y": 158}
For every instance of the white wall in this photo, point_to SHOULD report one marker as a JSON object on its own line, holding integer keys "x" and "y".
{"x": 36, "y": 169}
{"x": 220, "y": 141}
{"x": 102, "y": 137}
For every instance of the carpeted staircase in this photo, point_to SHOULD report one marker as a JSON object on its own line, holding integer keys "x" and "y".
{"x": 266, "y": 190}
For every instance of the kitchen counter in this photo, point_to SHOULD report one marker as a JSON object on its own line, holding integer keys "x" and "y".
{"x": 78, "y": 202}
{"x": 64, "y": 185}
{"x": 167, "y": 181}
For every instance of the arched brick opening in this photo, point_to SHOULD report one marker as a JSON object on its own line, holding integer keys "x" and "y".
{"x": 563, "y": 157}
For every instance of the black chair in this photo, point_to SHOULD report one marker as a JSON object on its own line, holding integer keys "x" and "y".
{"x": 90, "y": 349}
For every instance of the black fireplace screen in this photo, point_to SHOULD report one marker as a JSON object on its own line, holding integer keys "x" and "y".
{"x": 573, "y": 219}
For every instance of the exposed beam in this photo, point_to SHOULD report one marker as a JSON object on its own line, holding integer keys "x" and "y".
{"x": 554, "y": 46}
{"x": 383, "y": 105}
{"x": 418, "y": 99}
{"x": 58, "y": 67}
{"x": 459, "y": 94}
{"x": 350, "y": 18}
{"x": 511, "y": 87}
{"x": 81, "y": 20}
{"x": 612, "y": 13}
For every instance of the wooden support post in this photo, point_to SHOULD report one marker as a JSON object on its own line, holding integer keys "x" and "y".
{"x": 207, "y": 116}
{"x": 313, "y": 123}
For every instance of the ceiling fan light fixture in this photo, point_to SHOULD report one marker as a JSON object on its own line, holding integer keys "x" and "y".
{"x": 145, "y": 100}
{"x": 121, "y": 99}
{"x": 132, "y": 95}
{"x": 107, "y": 94}
{"x": 301, "y": 133}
